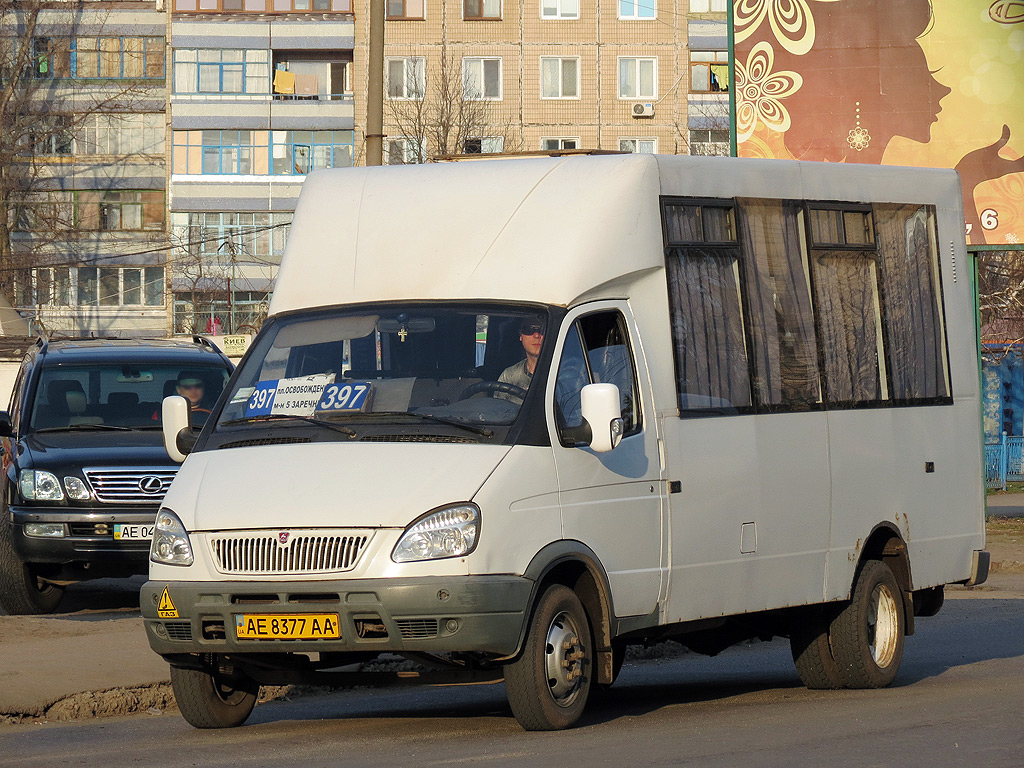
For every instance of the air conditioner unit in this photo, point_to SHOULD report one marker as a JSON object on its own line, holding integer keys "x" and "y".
{"x": 643, "y": 110}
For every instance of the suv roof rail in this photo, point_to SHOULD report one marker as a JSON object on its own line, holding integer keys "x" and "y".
{"x": 197, "y": 339}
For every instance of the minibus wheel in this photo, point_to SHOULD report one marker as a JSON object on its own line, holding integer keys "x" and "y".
{"x": 548, "y": 685}
{"x": 812, "y": 654}
{"x": 213, "y": 699}
{"x": 867, "y": 634}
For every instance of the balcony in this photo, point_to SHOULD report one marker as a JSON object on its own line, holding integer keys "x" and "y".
{"x": 262, "y": 6}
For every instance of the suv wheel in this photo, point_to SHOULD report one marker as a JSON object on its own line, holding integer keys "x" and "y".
{"x": 21, "y": 590}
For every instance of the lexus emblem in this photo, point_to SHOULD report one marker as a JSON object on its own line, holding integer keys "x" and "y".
{"x": 151, "y": 484}
{"x": 283, "y": 537}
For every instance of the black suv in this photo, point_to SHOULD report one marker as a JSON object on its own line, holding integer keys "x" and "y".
{"x": 84, "y": 467}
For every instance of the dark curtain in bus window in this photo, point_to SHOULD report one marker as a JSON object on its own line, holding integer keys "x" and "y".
{"x": 913, "y": 325}
{"x": 784, "y": 355}
{"x": 844, "y": 286}
{"x": 683, "y": 222}
{"x": 707, "y": 328}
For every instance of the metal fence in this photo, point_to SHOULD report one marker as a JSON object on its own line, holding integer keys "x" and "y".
{"x": 1004, "y": 461}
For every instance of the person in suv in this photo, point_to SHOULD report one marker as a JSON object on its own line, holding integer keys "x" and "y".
{"x": 84, "y": 467}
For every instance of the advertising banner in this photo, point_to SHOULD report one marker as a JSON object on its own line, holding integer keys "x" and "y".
{"x": 935, "y": 83}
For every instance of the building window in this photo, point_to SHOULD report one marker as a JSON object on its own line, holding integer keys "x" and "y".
{"x": 406, "y": 9}
{"x": 483, "y": 145}
{"x": 637, "y": 9}
{"x": 552, "y": 144}
{"x": 121, "y": 210}
{"x": 476, "y": 10}
{"x": 51, "y": 57}
{"x": 406, "y": 77}
{"x": 296, "y": 153}
{"x": 638, "y": 78}
{"x": 51, "y": 135}
{"x": 638, "y": 146}
{"x": 260, "y": 153}
{"x": 121, "y": 134}
{"x": 709, "y": 71}
{"x": 134, "y": 58}
{"x": 708, "y": 6}
{"x": 232, "y": 70}
{"x": 92, "y": 286}
{"x": 218, "y": 237}
{"x": 709, "y": 143}
{"x": 560, "y": 9}
{"x": 263, "y": 6}
{"x": 481, "y": 79}
{"x": 559, "y": 78}
{"x": 405, "y": 151}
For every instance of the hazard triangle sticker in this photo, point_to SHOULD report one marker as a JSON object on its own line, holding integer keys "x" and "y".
{"x": 166, "y": 609}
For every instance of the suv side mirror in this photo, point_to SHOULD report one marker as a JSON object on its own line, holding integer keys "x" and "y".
{"x": 602, "y": 411}
{"x": 179, "y": 439}
{"x": 6, "y": 428}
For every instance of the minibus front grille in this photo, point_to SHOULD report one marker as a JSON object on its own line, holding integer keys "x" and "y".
{"x": 417, "y": 629}
{"x": 416, "y": 439}
{"x": 254, "y": 553}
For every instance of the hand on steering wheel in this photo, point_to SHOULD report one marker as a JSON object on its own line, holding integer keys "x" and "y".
{"x": 491, "y": 387}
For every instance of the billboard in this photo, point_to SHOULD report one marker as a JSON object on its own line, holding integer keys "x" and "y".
{"x": 936, "y": 83}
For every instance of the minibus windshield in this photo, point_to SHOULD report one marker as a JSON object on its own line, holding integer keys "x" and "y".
{"x": 469, "y": 366}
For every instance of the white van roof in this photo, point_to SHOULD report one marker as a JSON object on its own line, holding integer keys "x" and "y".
{"x": 552, "y": 230}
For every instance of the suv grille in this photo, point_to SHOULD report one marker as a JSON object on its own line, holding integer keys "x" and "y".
{"x": 130, "y": 485}
{"x": 302, "y": 552}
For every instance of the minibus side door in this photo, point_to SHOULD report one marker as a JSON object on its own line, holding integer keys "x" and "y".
{"x": 613, "y": 502}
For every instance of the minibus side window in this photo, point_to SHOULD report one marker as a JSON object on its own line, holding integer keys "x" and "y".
{"x": 596, "y": 350}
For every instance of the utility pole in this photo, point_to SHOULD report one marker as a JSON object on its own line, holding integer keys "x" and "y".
{"x": 375, "y": 86}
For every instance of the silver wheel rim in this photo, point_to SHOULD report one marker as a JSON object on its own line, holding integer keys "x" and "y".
{"x": 564, "y": 659}
{"x": 883, "y": 626}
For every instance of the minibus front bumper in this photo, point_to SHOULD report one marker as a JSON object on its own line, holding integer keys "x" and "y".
{"x": 484, "y": 614}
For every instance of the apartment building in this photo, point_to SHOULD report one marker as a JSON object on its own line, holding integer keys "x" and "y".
{"x": 84, "y": 176}
{"x": 260, "y": 95}
{"x": 467, "y": 76}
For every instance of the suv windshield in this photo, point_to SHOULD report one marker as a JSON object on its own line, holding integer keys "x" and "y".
{"x": 467, "y": 365}
{"x": 120, "y": 396}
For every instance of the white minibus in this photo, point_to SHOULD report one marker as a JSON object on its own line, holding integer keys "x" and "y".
{"x": 506, "y": 418}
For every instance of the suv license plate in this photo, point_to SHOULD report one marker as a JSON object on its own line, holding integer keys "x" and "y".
{"x": 133, "y": 532}
{"x": 295, "y": 626}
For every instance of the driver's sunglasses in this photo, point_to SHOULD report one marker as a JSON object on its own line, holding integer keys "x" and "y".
{"x": 530, "y": 330}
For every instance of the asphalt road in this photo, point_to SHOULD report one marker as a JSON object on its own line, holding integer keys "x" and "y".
{"x": 957, "y": 702}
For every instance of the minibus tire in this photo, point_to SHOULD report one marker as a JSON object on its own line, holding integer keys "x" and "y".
{"x": 867, "y": 634}
{"x": 545, "y": 694}
{"x": 210, "y": 700}
{"x": 812, "y": 654}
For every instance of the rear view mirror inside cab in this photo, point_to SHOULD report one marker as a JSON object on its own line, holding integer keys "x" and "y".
{"x": 406, "y": 324}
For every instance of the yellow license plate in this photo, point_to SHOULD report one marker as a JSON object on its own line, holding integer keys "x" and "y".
{"x": 279, "y": 626}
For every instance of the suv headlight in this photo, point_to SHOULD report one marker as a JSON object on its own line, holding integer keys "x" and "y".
{"x": 37, "y": 485}
{"x": 170, "y": 541}
{"x": 449, "y": 532}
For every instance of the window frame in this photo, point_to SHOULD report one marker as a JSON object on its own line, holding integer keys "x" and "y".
{"x": 469, "y": 61}
{"x": 636, "y": 71}
{"x": 636, "y": 140}
{"x": 561, "y": 60}
{"x": 561, "y": 146}
{"x": 483, "y": 16}
{"x": 559, "y": 14}
{"x": 635, "y": 16}
{"x": 405, "y": 15}
{"x": 419, "y": 72}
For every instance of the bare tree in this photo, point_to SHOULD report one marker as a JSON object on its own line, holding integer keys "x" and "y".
{"x": 42, "y": 108}
{"x": 712, "y": 138}
{"x": 1001, "y": 295}
{"x": 448, "y": 117}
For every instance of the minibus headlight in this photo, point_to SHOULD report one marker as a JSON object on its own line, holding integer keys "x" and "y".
{"x": 449, "y": 532}
{"x": 37, "y": 485}
{"x": 170, "y": 541}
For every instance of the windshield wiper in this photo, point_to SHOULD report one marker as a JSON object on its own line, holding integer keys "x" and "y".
{"x": 439, "y": 420}
{"x": 287, "y": 417}
{"x": 76, "y": 427}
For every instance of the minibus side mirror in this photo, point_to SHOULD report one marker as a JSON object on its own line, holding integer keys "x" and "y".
{"x": 6, "y": 428}
{"x": 602, "y": 412}
{"x": 179, "y": 439}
